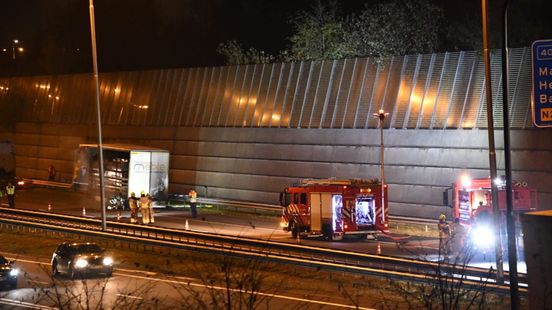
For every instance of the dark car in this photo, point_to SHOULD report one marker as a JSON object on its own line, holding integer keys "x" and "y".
{"x": 80, "y": 259}
{"x": 8, "y": 273}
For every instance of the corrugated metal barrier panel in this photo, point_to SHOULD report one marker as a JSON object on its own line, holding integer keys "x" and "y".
{"x": 434, "y": 91}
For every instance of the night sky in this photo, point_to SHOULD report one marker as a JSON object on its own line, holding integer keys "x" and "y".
{"x": 153, "y": 34}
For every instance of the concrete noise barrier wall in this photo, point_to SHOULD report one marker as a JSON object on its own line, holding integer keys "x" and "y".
{"x": 255, "y": 164}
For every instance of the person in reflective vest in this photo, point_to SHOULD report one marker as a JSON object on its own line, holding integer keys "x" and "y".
{"x": 150, "y": 203}
{"x": 10, "y": 191}
{"x": 444, "y": 235}
{"x": 133, "y": 205}
{"x": 145, "y": 208}
{"x": 192, "y": 195}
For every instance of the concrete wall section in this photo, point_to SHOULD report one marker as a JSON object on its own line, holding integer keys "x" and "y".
{"x": 537, "y": 237}
{"x": 254, "y": 164}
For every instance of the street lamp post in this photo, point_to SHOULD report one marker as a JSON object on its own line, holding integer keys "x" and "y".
{"x": 98, "y": 112}
{"x": 492, "y": 151}
{"x": 510, "y": 222}
{"x": 381, "y": 115}
{"x": 20, "y": 49}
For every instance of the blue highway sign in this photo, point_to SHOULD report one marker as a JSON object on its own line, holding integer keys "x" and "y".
{"x": 541, "y": 105}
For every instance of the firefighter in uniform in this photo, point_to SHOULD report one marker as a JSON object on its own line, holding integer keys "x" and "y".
{"x": 150, "y": 203}
{"x": 133, "y": 205}
{"x": 145, "y": 208}
{"x": 458, "y": 237}
{"x": 193, "y": 200}
{"x": 10, "y": 191}
{"x": 444, "y": 235}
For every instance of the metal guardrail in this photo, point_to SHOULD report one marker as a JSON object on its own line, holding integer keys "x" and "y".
{"x": 306, "y": 260}
{"x": 241, "y": 204}
{"x": 236, "y": 204}
{"x": 47, "y": 183}
{"x": 249, "y": 245}
{"x": 278, "y": 209}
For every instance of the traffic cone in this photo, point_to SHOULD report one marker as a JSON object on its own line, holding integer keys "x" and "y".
{"x": 378, "y": 249}
{"x": 83, "y": 211}
{"x": 298, "y": 239}
{"x": 187, "y": 226}
{"x": 118, "y": 215}
{"x": 49, "y": 207}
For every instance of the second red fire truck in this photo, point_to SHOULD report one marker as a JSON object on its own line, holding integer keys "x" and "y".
{"x": 334, "y": 208}
{"x": 472, "y": 198}
{"x": 472, "y": 206}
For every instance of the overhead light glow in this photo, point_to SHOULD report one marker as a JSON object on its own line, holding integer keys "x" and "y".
{"x": 465, "y": 180}
{"x": 499, "y": 181}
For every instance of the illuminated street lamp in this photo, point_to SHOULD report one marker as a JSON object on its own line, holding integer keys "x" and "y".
{"x": 381, "y": 115}
{"x": 16, "y": 48}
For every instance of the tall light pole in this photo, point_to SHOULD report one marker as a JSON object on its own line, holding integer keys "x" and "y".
{"x": 96, "y": 80}
{"x": 381, "y": 115}
{"x": 510, "y": 222}
{"x": 19, "y": 49}
{"x": 492, "y": 152}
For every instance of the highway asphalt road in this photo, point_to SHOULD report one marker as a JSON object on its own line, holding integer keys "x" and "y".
{"x": 133, "y": 289}
{"x": 239, "y": 224}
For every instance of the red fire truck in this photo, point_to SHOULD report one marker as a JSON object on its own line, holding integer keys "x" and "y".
{"x": 472, "y": 198}
{"x": 333, "y": 208}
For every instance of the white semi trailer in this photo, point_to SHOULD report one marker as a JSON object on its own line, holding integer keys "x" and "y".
{"x": 127, "y": 169}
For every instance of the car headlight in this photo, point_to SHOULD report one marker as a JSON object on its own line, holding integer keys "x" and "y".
{"x": 81, "y": 263}
{"x": 14, "y": 272}
{"x": 483, "y": 236}
{"x": 108, "y": 261}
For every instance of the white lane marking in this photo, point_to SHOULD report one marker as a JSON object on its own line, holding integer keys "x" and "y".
{"x": 129, "y": 296}
{"x": 149, "y": 273}
{"x": 23, "y": 304}
{"x": 312, "y": 301}
{"x": 17, "y": 260}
